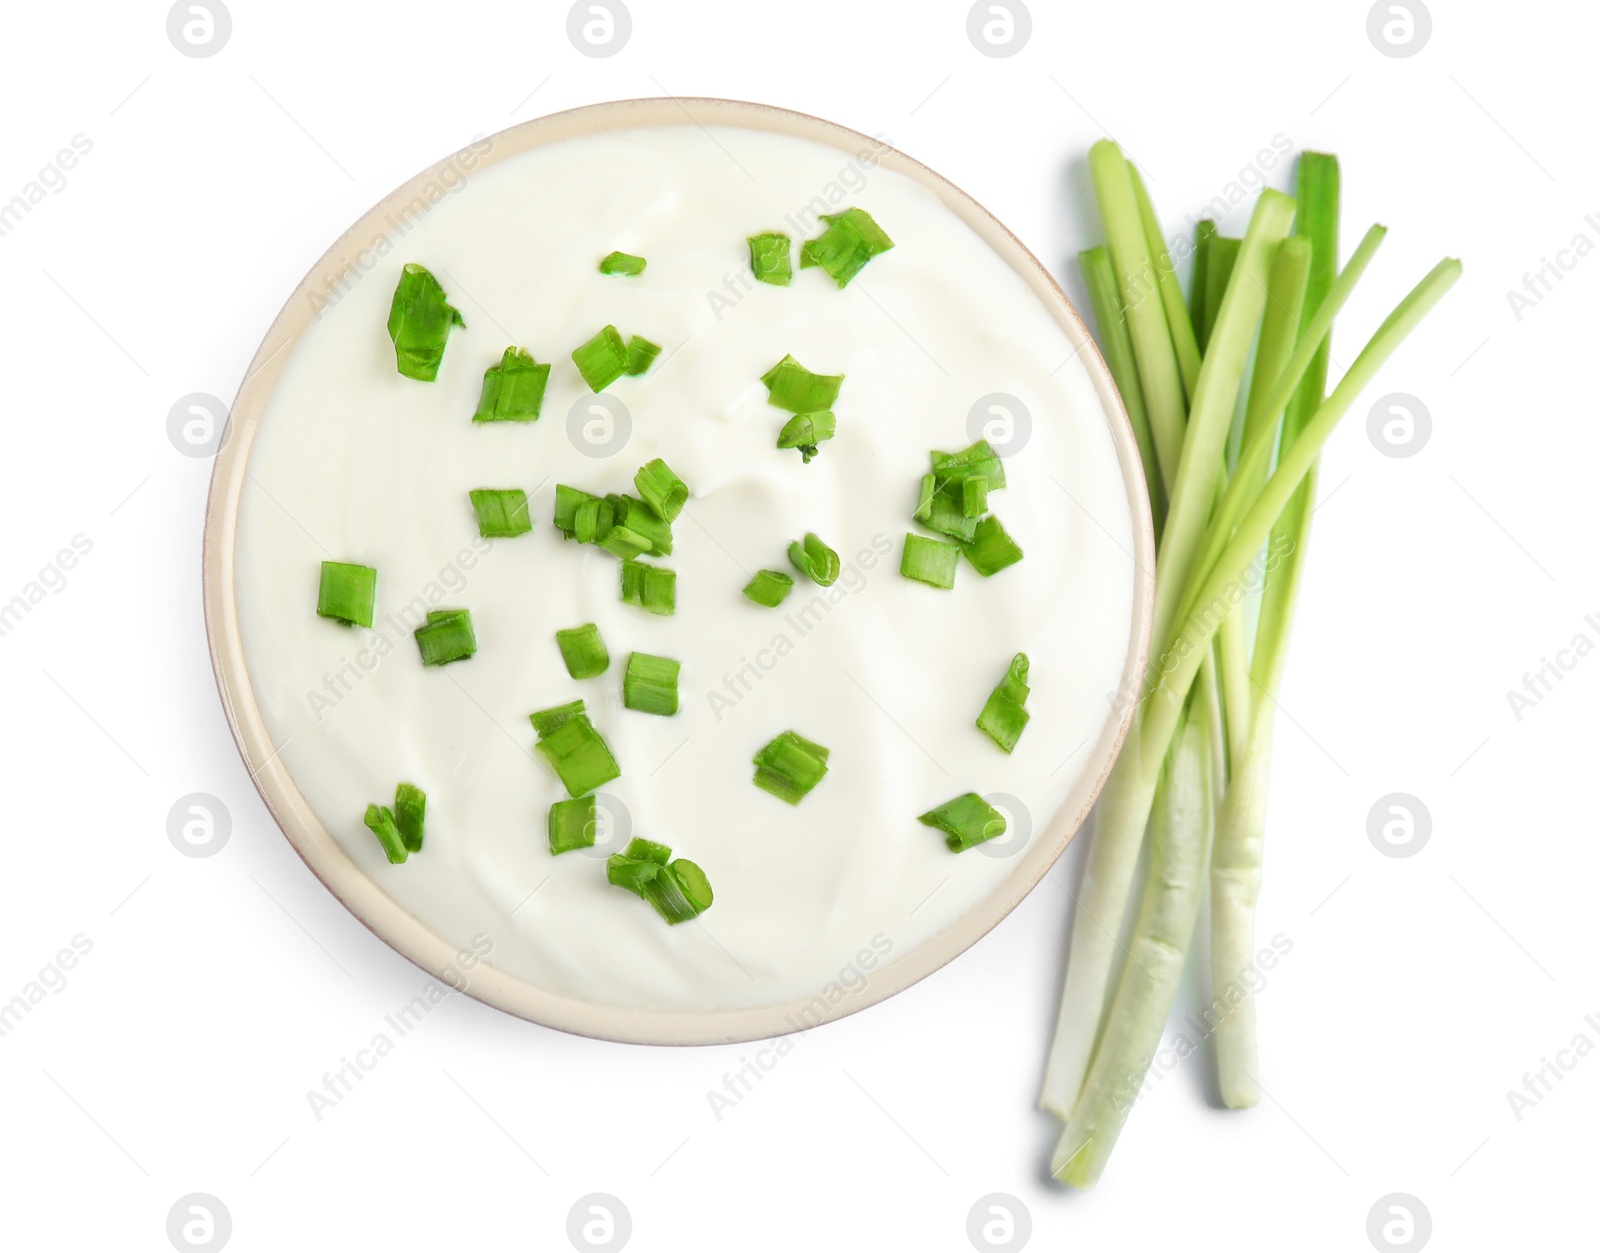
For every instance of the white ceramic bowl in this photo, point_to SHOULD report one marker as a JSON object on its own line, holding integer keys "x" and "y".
{"x": 364, "y": 898}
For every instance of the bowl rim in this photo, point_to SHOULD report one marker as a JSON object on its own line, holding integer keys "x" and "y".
{"x": 339, "y": 873}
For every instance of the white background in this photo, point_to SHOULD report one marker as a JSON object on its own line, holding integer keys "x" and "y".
{"x": 219, "y": 990}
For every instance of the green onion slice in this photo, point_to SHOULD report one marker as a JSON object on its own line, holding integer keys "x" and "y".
{"x": 593, "y": 520}
{"x": 603, "y": 360}
{"x": 622, "y": 541}
{"x": 652, "y": 588}
{"x": 805, "y": 431}
{"x": 677, "y": 889}
{"x": 1003, "y": 715}
{"x": 502, "y": 511}
{"x": 940, "y": 509}
{"x": 627, "y": 872}
{"x": 571, "y": 824}
{"x": 974, "y": 497}
{"x": 639, "y": 849}
{"x": 641, "y": 354}
{"x": 642, "y": 529}
{"x": 769, "y": 587}
{"x": 662, "y": 490}
{"x": 790, "y": 766}
{"x": 692, "y": 882}
{"x": 991, "y": 549}
{"x": 347, "y": 593}
{"x": 978, "y": 460}
{"x": 815, "y": 560}
{"x": 666, "y": 894}
{"x": 769, "y": 258}
{"x": 965, "y": 821}
{"x": 850, "y": 241}
{"x": 930, "y": 561}
{"x": 623, "y": 525}
{"x": 410, "y": 805}
{"x": 568, "y": 501}
{"x": 420, "y": 318}
{"x": 621, "y": 263}
{"x": 547, "y": 720}
{"x": 650, "y": 684}
{"x": 380, "y": 821}
{"x": 583, "y": 651}
{"x": 446, "y": 636}
{"x": 513, "y": 390}
{"x": 793, "y": 387}
{"x": 578, "y": 755}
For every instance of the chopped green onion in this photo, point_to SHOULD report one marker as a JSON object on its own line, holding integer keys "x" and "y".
{"x": 1003, "y": 715}
{"x": 668, "y": 894}
{"x": 769, "y": 259}
{"x": 639, "y": 849}
{"x": 661, "y": 489}
{"x": 793, "y": 387}
{"x": 621, "y": 263}
{"x": 568, "y": 501}
{"x": 650, "y": 684}
{"x": 603, "y": 360}
{"x": 815, "y": 560}
{"x": 578, "y": 755}
{"x": 502, "y": 511}
{"x": 583, "y": 651}
{"x": 571, "y": 824}
{"x": 805, "y": 431}
{"x": 593, "y": 520}
{"x": 652, "y": 588}
{"x": 632, "y": 873}
{"x": 380, "y": 821}
{"x": 347, "y": 593}
{"x": 623, "y": 525}
{"x": 446, "y": 636}
{"x": 851, "y": 240}
{"x": 769, "y": 587}
{"x": 410, "y": 804}
{"x": 692, "y": 882}
{"x": 790, "y": 766}
{"x": 513, "y": 390}
{"x": 547, "y": 720}
{"x": 930, "y": 561}
{"x": 965, "y": 821}
{"x": 622, "y": 541}
{"x": 977, "y": 460}
{"x": 678, "y": 890}
{"x": 943, "y": 510}
{"x": 641, "y": 529}
{"x": 420, "y": 318}
{"x": 991, "y": 550}
{"x": 974, "y": 497}
{"x": 641, "y": 354}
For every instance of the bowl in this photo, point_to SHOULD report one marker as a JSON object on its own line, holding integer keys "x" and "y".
{"x": 351, "y": 884}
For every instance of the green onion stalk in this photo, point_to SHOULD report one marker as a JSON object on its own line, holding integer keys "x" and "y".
{"x": 1180, "y": 843}
{"x": 1237, "y": 852}
{"x": 1122, "y": 1050}
{"x": 1217, "y": 531}
{"x": 1119, "y": 832}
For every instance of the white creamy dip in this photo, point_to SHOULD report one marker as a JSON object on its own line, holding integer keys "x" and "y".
{"x": 355, "y": 463}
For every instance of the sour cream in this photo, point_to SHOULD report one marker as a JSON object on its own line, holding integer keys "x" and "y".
{"x": 355, "y": 463}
